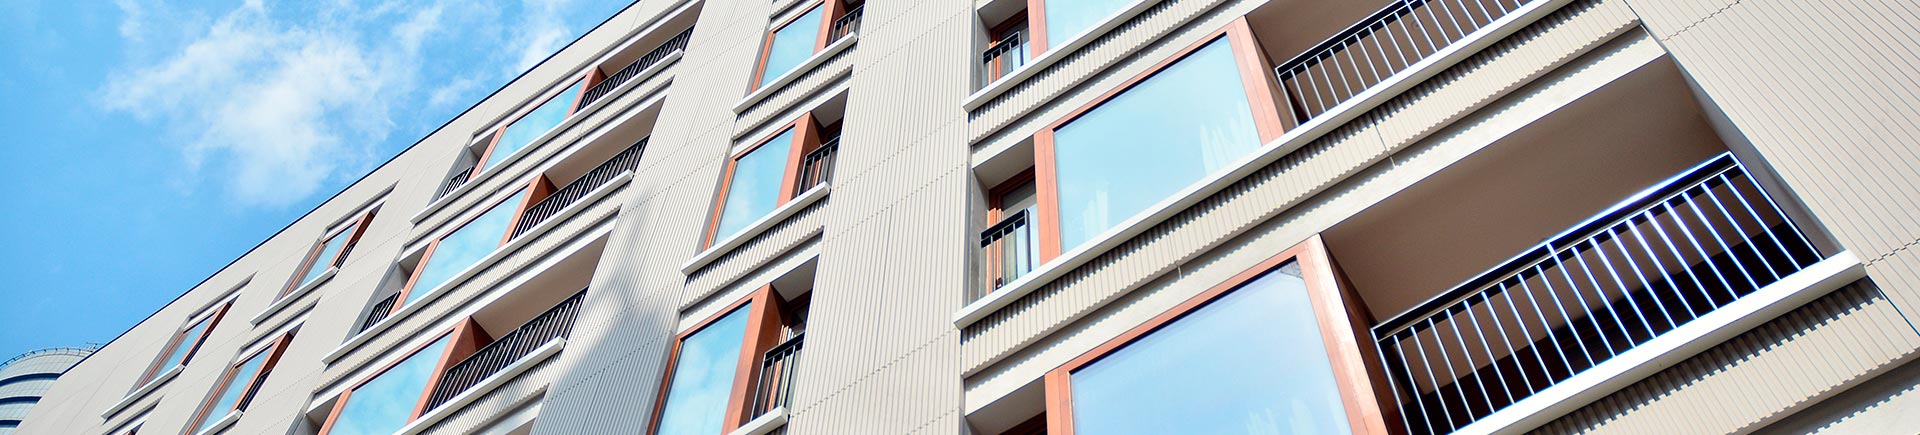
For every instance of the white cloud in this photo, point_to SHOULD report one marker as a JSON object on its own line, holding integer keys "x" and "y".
{"x": 541, "y": 32}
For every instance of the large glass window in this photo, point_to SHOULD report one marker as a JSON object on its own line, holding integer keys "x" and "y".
{"x": 754, "y": 189}
{"x": 792, "y": 44}
{"x": 185, "y": 342}
{"x": 703, "y": 375}
{"x": 1165, "y": 133}
{"x": 1251, "y": 361}
{"x": 535, "y": 123}
{"x": 385, "y": 404}
{"x": 1066, "y": 18}
{"x": 235, "y": 390}
{"x": 465, "y": 246}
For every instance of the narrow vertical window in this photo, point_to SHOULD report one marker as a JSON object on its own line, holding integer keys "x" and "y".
{"x": 180, "y": 350}
{"x": 238, "y": 386}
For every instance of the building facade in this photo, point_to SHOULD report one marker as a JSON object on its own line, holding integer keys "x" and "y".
{"x": 1112, "y": 216}
{"x": 25, "y": 378}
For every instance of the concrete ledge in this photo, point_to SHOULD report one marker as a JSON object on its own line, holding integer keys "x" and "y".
{"x": 764, "y": 424}
{"x": 1053, "y": 55}
{"x": 780, "y": 83}
{"x": 294, "y": 296}
{"x": 759, "y": 226}
{"x": 222, "y": 424}
{"x": 143, "y": 391}
{"x": 494, "y": 381}
{"x": 1675, "y": 346}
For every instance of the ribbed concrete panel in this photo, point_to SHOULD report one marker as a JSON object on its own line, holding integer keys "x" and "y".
{"x": 526, "y": 387}
{"x": 754, "y": 254}
{"x": 1573, "y": 31}
{"x": 805, "y": 87}
{"x": 1830, "y": 112}
{"x": 1147, "y": 28}
{"x": 1788, "y": 363}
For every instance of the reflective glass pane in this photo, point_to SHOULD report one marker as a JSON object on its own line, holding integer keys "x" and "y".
{"x": 755, "y": 188}
{"x": 385, "y": 404}
{"x": 1249, "y": 362}
{"x": 703, "y": 377}
{"x": 792, "y": 45}
{"x": 236, "y": 385}
{"x": 465, "y": 246}
{"x": 1164, "y": 134}
{"x": 1066, "y": 18}
{"x": 537, "y": 122}
{"x": 180, "y": 349}
{"x": 322, "y": 262}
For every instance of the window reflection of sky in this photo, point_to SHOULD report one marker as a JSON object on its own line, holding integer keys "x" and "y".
{"x": 465, "y": 246}
{"x": 755, "y": 189}
{"x": 236, "y": 385}
{"x": 1160, "y": 136}
{"x": 327, "y": 253}
{"x": 186, "y": 343}
{"x": 534, "y": 124}
{"x": 703, "y": 377}
{"x": 792, "y": 45}
{"x": 1066, "y": 18}
{"x": 385, "y": 404}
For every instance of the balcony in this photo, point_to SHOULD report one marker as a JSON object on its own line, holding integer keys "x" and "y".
{"x": 625, "y": 161}
{"x": 775, "y": 385}
{"x": 632, "y": 70}
{"x": 1004, "y": 56}
{"x": 454, "y": 181}
{"x": 553, "y": 324}
{"x": 379, "y": 312}
{"x": 847, "y": 24}
{"x": 1006, "y": 252}
{"x": 817, "y": 167}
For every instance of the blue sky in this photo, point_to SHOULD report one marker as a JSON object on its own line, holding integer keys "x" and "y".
{"x": 152, "y": 142}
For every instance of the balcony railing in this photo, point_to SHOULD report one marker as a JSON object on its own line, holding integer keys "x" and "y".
{"x": 847, "y": 24}
{"x": 626, "y": 160}
{"x": 613, "y": 81}
{"x": 1379, "y": 46}
{"x": 557, "y": 322}
{"x": 341, "y": 260}
{"x": 1649, "y": 265}
{"x": 1004, "y": 56}
{"x": 1007, "y": 252}
{"x": 454, "y": 181}
{"x": 816, "y": 167}
{"x": 776, "y": 376}
{"x": 380, "y": 311}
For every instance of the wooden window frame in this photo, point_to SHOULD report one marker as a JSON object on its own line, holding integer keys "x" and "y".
{"x": 530, "y": 195}
{"x": 358, "y": 227}
{"x": 834, "y": 10}
{"x": 806, "y": 138}
{"x": 212, "y": 317}
{"x": 586, "y": 81}
{"x": 464, "y": 339}
{"x": 1340, "y": 312}
{"x": 996, "y": 211}
{"x": 766, "y": 325}
{"x": 273, "y": 352}
{"x": 1255, "y": 74}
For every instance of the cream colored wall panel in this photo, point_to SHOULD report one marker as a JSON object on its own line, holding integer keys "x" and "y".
{"x": 754, "y": 254}
{"x": 809, "y": 84}
{"x": 525, "y": 388}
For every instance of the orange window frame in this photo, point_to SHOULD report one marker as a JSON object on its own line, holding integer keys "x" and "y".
{"x": 995, "y": 34}
{"x": 592, "y": 77}
{"x": 765, "y": 326}
{"x": 535, "y": 191}
{"x": 1254, "y": 71}
{"x": 273, "y": 352}
{"x": 996, "y": 211}
{"x": 806, "y": 138}
{"x": 213, "y": 321}
{"x": 1342, "y": 317}
{"x": 358, "y": 227}
{"x": 467, "y": 337}
{"x": 834, "y": 9}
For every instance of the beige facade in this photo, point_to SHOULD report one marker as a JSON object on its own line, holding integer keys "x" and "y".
{"x": 1452, "y": 156}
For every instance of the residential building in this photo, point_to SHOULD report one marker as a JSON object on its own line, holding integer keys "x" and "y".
{"x": 24, "y": 378}
{"x": 1114, "y": 216}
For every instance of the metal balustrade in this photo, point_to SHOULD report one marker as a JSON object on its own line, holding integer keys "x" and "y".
{"x": 341, "y": 260}
{"x": 848, "y": 23}
{"x": 1004, "y": 56}
{"x": 613, "y": 81}
{"x": 1383, "y": 44}
{"x": 776, "y": 376}
{"x": 454, "y": 181}
{"x": 1645, "y": 267}
{"x": 626, "y": 160}
{"x": 380, "y": 311}
{"x": 1007, "y": 253}
{"x": 556, "y": 322}
{"x": 816, "y": 167}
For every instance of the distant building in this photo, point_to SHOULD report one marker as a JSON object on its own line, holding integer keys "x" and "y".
{"x": 25, "y": 378}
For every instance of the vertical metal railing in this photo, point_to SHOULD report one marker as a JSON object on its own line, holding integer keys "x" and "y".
{"x": 380, "y": 311}
{"x": 1003, "y": 56}
{"x": 849, "y": 23}
{"x": 626, "y": 160}
{"x": 613, "y": 81}
{"x": 1645, "y": 267}
{"x": 776, "y": 376}
{"x": 1007, "y": 253}
{"x": 341, "y": 260}
{"x": 454, "y": 181}
{"x": 507, "y": 349}
{"x": 1379, "y": 46}
{"x": 816, "y": 167}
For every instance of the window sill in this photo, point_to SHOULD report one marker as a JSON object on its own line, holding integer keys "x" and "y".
{"x": 485, "y": 386}
{"x": 764, "y": 424}
{"x": 759, "y": 226}
{"x": 788, "y": 77}
{"x": 1676, "y": 346}
{"x": 362, "y": 337}
{"x": 1292, "y": 140}
{"x": 295, "y": 296}
{"x": 1053, "y": 55}
{"x": 143, "y": 391}
{"x": 222, "y": 424}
